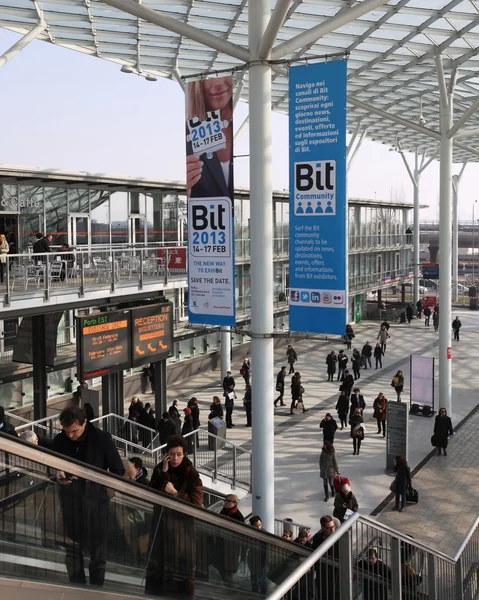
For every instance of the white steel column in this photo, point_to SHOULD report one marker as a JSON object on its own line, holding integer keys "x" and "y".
{"x": 19, "y": 45}
{"x": 445, "y": 246}
{"x": 225, "y": 346}
{"x": 456, "y": 180}
{"x": 262, "y": 358}
{"x": 416, "y": 230}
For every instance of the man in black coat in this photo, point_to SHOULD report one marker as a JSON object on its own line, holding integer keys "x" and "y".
{"x": 195, "y": 417}
{"x": 85, "y": 505}
{"x": 229, "y": 394}
{"x": 165, "y": 428}
{"x": 366, "y": 353}
{"x": 280, "y": 377}
{"x": 342, "y": 362}
{"x": 456, "y": 326}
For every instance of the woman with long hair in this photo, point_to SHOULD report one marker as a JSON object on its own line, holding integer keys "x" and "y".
{"x": 402, "y": 482}
{"x": 4, "y": 249}
{"x": 357, "y": 429}
{"x": 442, "y": 430}
{"x": 328, "y": 468}
{"x": 211, "y": 174}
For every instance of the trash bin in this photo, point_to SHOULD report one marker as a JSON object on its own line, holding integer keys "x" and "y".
{"x": 217, "y": 427}
{"x": 473, "y": 303}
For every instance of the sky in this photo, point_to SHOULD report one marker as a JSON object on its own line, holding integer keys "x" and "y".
{"x": 66, "y": 110}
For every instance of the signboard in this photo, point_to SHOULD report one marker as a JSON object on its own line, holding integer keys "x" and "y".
{"x": 317, "y": 155}
{"x": 152, "y": 333}
{"x": 422, "y": 380}
{"x": 396, "y": 433}
{"x": 176, "y": 258}
{"x": 103, "y": 344}
{"x": 23, "y": 346}
{"x": 430, "y": 271}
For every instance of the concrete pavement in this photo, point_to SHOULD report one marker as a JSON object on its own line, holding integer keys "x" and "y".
{"x": 298, "y": 439}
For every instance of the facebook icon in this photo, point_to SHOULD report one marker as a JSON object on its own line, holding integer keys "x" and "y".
{"x": 294, "y": 296}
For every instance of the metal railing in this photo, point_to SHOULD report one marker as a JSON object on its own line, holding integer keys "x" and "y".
{"x": 80, "y": 271}
{"x": 379, "y": 278}
{"x": 365, "y": 559}
{"x": 210, "y": 454}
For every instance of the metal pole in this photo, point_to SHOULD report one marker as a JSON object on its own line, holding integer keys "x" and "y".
{"x": 262, "y": 268}
{"x": 473, "y": 243}
{"x": 455, "y": 242}
{"x": 225, "y": 344}
{"x": 22, "y": 43}
{"x": 445, "y": 227}
{"x": 416, "y": 231}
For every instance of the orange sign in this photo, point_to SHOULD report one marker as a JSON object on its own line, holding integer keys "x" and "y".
{"x": 152, "y": 330}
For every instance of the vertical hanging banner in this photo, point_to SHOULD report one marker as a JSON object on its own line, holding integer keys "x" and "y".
{"x": 209, "y": 183}
{"x": 318, "y": 206}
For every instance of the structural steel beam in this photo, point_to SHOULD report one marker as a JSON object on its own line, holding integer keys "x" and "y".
{"x": 275, "y": 23}
{"x": 193, "y": 33}
{"x": 20, "y": 44}
{"x": 343, "y": 17}
{"x": 462, "y": 119}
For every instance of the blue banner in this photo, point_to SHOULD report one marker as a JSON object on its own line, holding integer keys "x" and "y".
{"x": 318, "y": 206}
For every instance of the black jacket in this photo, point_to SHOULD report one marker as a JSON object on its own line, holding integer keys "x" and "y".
{"x": 357, "y": 401}
{"x": 216, "y": 410}
{"x": 165, "y": 429}
{"x": 403, "y": 478}
{"x": 280, "y": 380}
{"x": 228, "y": 384}
{"x": 378, "y": 352}
{"x": 195, "y": 414}
{"x": 342, "y": 405}
{"x": 456, "y": 324}
{"x": 41, "y": 245}
{"x": 442, "y": 429}
{"x": 367, "y": 350}
{"x": 331, "y": 361}
{"x": 329, "y": 429}
{"x": 143, "y": 477}
{"x": 100, "y": 450}
{"x": 8, "y": 428}
{"x": 342, "y": 361}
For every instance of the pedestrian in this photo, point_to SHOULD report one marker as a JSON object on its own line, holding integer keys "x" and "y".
{"x": 409, "y": 313}
{"x": 151, "y": 375}
{"x": 328, "y": 527}
{"x": 383, "y": 337}
{"x": 456, "y": 327}
{"x": 366, "y": 353}
{"x": 4, "y": 249}
{"x": 292, "y": 358}
{"x": 216, "y": 410}
{"x": 329, "y": 426}
{"x": 378, "y": 356}
{"x": 357, "y": 401}
{"x": 386, "y": 325}
{"x": 248, "y": 404}
{"x": 435, "y": 320}
{"x": 165, "y": 428}
{"x": 144, "y": 379}
{"x": 442, "y": 431}
{"x": 229, "y": 407}
{"x": 195, "y": 416}
{"x": 342, "y": 362}
{"x": 297, "y": 391}
{"x": 356, "y": 362}
{"x": 349, "y": 336}
{"x": 258, "y": 562}
{"x": 357, "y": 430}
{"x": 342, "y": 408}
{"x": 175, "y": 416}
{"x": 140, "y": 473}
{"x": 5, "y": 426}
{"x": 331, "y": 361}
{"x": 376, "y": 576}
{"x": 427, "y": 316}
{"x": 380, "y": 408}
{"x": 303, "y": 538}
{"x": 228, "y": 550}
{"x": 29, "y": 436}
{"x": 347, "y": 383}
{"x": 280, "y": 377}
{"x": 345, "y": 503}
{"x": 85, "y": 506}
{"x": 245, "y": 371}
{"x": 402, "y": 482}
{"x": 419, "y": 308}
{"x": 187, "y": 430}
{"x": 328, "y": 468}
{"x": 398, "y": 384}
{"x": 136, "y": 405}
{"x": 172, "y": 554}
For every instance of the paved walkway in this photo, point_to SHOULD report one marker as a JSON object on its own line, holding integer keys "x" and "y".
{"x": 298, "y": 439}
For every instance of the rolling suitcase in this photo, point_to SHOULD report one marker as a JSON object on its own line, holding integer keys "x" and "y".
{"x": 339, "y": 481}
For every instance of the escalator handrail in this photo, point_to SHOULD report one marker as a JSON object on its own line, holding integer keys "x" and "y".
{"x": 53, "y": 460}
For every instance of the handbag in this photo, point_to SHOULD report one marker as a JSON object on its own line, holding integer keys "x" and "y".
{"x": 434, "y": 440}
{"x": 279, "y": 388}
{"x": 392, "y": 487}
{"x": 300, "y": 405}
{"x": 412, "y": 495}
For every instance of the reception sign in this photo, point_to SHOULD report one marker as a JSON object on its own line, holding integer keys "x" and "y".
{"x": 318, "y": 206}
{"x": 209, "y": 182}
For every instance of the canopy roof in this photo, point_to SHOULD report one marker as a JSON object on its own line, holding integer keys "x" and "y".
{"x": 391, "y": 47}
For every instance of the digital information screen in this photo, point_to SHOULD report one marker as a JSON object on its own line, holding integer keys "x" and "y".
{"x": 152, "y": 332}
{"x": 103, "y": 343}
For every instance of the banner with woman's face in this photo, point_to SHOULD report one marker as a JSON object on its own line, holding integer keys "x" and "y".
{"x": 209, "y": 182}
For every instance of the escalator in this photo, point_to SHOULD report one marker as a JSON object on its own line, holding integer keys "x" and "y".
{"x": 154, "y": 545}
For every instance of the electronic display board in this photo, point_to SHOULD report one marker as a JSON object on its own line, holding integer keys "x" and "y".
{"x": 103, "y": 343}
{"x": 152, "y": 333}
